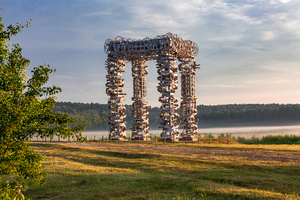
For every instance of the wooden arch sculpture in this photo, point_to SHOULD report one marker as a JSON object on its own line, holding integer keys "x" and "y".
{"x": 165, "y": 49}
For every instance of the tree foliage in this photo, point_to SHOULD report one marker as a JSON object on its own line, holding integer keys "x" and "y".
{"x": 25, "y": 111}
{"x": 95, "y": 116}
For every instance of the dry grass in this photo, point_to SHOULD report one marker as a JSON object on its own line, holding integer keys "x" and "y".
{"x": 168, "y": 171}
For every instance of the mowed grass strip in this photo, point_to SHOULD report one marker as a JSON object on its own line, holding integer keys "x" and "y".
{"x": 123, "y": 170}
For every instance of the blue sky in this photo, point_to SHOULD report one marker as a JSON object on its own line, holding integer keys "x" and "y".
{"x": 249, "y": 50}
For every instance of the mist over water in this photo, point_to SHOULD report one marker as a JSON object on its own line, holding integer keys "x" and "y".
{"x": 247, "y": 132}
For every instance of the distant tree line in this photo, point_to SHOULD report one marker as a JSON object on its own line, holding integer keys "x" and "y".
{"x": 95, "y": 115}
{"x": 250, "y": 113}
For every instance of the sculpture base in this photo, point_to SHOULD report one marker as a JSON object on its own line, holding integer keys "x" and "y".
{"x": 168, "y": 140}
{"x": 117, "y": 139}
{"x": 140, "y": 138}
{"x": 188, "y": 139}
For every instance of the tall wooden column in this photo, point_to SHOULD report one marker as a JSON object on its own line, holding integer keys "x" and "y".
{"x": 114, "y": 88}
{"x": 140, "y": 112}
{"x": 188, "y": 105}
{"x": 168, "y": 80}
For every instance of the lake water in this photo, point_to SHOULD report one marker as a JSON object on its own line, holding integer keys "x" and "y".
{"x": 247, "y": 132}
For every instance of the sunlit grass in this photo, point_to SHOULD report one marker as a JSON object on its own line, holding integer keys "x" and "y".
{"x": 168, "y": 171}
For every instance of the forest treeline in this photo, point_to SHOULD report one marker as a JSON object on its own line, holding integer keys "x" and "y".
{"x": 95, "y": 116}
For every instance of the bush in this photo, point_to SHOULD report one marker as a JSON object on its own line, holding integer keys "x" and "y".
{"x": 208, "y": 135}
{"x": 279, "y": 139}
{"x": 271, "y": 139}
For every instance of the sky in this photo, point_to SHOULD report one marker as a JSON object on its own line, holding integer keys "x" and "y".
{"x": 249, "y": 51}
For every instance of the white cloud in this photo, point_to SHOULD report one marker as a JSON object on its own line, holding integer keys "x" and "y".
{"x": 228, "y": 37}
{"x": 268, "y": 35}
{"x": 99, "y": 13}
{"x": 279, "y": 1}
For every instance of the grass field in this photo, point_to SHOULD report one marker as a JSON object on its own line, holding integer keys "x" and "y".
{"x": 112, "y": 170}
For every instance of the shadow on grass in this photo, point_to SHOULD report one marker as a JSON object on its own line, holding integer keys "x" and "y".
{"x": 109, "y": 186}
{"x": 124, "y": 155}
{"x": 129, "y": 186}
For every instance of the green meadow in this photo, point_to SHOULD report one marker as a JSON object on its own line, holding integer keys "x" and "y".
{"x": 148, "y": 170}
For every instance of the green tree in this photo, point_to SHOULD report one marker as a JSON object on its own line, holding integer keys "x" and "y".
{"x": 25, "y": 111}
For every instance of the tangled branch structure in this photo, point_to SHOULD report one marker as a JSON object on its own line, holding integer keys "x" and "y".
{"x": 165, "y": 49}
